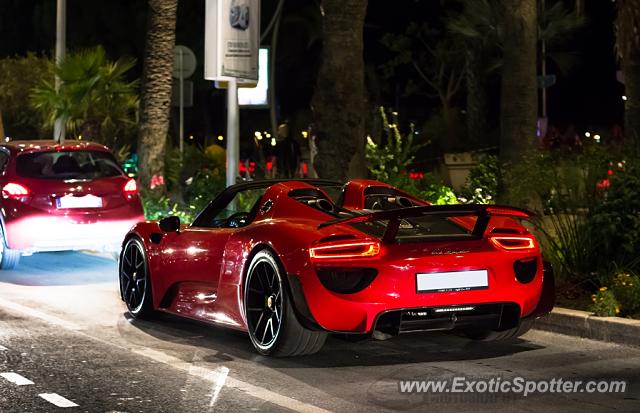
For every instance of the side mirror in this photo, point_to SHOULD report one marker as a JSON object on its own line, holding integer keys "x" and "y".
{"x": 170, "y": 224}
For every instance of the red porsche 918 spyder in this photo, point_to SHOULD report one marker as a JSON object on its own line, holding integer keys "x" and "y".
{"x": 293, "y": 261}
{"x": 63, "y": 197}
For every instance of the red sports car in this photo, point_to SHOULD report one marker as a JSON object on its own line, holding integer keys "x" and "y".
{"x": 63, "y": 197}
{"x": 292, "y": 261}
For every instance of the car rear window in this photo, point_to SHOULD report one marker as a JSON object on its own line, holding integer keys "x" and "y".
{"x": 67, "y": 165}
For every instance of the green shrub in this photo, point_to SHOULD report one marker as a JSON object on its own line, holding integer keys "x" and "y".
{"x": 616, "y": 219}
{"x": 576, "y": 254}
{"x": 626, "y": 288}
{"x": 482, "y": 184}
{"x": 158, "y": 205}
{"x": 389, "y": 161}
{"x": 202, "y": 188}
{"x": 605, "y": 303}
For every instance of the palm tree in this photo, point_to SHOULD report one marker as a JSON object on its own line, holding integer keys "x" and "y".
{"x": 481, "y": 25}
{"x": 519, "y": 94}
{"x": 339, "y": 98}
{"x": 627, "y": 27}
{"x": 94, "y": 99}
{"x": 2, "y": 135}
{"x": 156, "y": 88}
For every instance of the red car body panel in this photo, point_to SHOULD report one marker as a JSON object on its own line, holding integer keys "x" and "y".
{"x": 199, "y": 272}
{"x": 35, "y": 223}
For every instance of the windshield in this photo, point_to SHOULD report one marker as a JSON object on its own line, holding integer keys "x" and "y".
{"x": 67, "y": 165}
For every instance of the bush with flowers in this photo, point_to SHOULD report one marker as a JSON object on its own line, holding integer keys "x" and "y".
{"x": 626, "y": 289}
{"x": 605, "y": 303}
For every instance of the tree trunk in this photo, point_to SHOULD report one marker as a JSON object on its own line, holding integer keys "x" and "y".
{"x": 476, "y": 97}
{"x": 519, "y": 99}
{"x": 338, "y": 101}
{"x": 628, "y": 46}
{"x": 2, "y": 135}
{"x": 156, "y": 88}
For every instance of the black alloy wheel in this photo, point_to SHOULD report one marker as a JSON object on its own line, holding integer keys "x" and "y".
{"x": 134, "y": 279}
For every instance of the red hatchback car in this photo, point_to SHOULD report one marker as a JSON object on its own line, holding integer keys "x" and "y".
{"x": 63, "y": 197}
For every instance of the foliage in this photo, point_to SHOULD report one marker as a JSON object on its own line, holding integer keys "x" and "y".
{"x": 605, "y": 303}
{"x": 203, "y": 187}
{"x": 94, "y": 99}
{"x": 192, "y": 181}
{"x": 562, "y": 183}
{"x": 437, "y": 194}
{"x": 158, "y": 205}
{"x": 570, "y": 246}
{"x": 389, "y": 162}
{"x": 481, "y": 24}
{"x": 481, "y": 186}
{"x": 616, "y": 219}
{"x": 439, "y": 64}
{"x": 626, "y": 288}
{"x": 19, "y": 76}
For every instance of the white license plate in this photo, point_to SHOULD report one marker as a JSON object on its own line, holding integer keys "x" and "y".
{"x": 87, "y": 201}
{"x": 440, "y": 282}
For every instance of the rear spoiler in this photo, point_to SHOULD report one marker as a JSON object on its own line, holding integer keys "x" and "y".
{"x": 394, "y": 216}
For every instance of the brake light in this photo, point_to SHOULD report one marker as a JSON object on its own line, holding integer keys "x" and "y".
{"x": 131, "y": 187}
{"x": 513, "y": 242}
{"x": 15, "y": 191}
{"x": 342, "y": 250}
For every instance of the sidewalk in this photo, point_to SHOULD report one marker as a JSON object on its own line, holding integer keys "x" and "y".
{"x": 584, "y": 324}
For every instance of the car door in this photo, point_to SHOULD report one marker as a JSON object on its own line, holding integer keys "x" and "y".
{"x": 192, "y": 259}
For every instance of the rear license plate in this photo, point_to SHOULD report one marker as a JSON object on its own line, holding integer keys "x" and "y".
{"x": 87, "y": 201}
{"x": 441, "y": 282}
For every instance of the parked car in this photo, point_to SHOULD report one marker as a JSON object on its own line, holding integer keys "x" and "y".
{"x": 63, "y": 197}
{"x": 290, "y": 262}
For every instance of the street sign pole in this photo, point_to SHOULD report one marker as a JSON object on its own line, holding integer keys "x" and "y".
{"x": 233, "y": 132}
{"x": 61, "y": 41}
{"x": 184, "y": 64}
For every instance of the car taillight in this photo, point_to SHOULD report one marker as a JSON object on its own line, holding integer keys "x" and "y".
{"x": 131, "y": 187}
{"x": 513, "y": 242}
{"x": 345, "y": 249}
{"x": 13, "y": 190}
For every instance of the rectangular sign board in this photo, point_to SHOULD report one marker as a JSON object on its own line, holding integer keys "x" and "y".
{"x": 232, "y": 40}
{"x": 258, "y": 96}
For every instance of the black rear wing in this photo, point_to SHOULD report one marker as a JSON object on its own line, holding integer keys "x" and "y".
{"x": 395, "y": 216}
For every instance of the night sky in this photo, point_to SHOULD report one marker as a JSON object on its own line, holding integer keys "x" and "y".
{"x": 588, "y": 96}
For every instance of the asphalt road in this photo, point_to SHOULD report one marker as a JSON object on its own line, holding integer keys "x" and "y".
{"x": 65, "y": 340}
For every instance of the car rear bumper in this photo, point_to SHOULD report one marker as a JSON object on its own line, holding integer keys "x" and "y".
{"x": 393, "y": 292}
{"x": 58, "y": 233}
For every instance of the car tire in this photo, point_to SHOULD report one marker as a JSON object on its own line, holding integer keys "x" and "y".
{"x": 9, "y": 259}
{"x": 272, "y": 324}
{"x": 135, "y": 281}
{"x": 506, "y": 335}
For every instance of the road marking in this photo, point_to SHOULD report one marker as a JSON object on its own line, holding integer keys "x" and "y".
{"x": 221, "y": 372}
{"x": 57, "y": 400}
{"x": 39, "y": 314}
{"x": 3, "y": 348}
{"x": 203, "y": 373}
{"x": 247, "y": 388}
{"x": 16, "y": 379}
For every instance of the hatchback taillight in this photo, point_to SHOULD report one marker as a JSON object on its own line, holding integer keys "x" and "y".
{"x": 13, "y": 190}
{"x": 131, "y": 187}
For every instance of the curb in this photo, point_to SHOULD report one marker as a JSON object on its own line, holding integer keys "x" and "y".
{"x": 584, "y": 324}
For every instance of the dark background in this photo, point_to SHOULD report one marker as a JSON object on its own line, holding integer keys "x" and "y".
{"x": 588, "y": 96}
